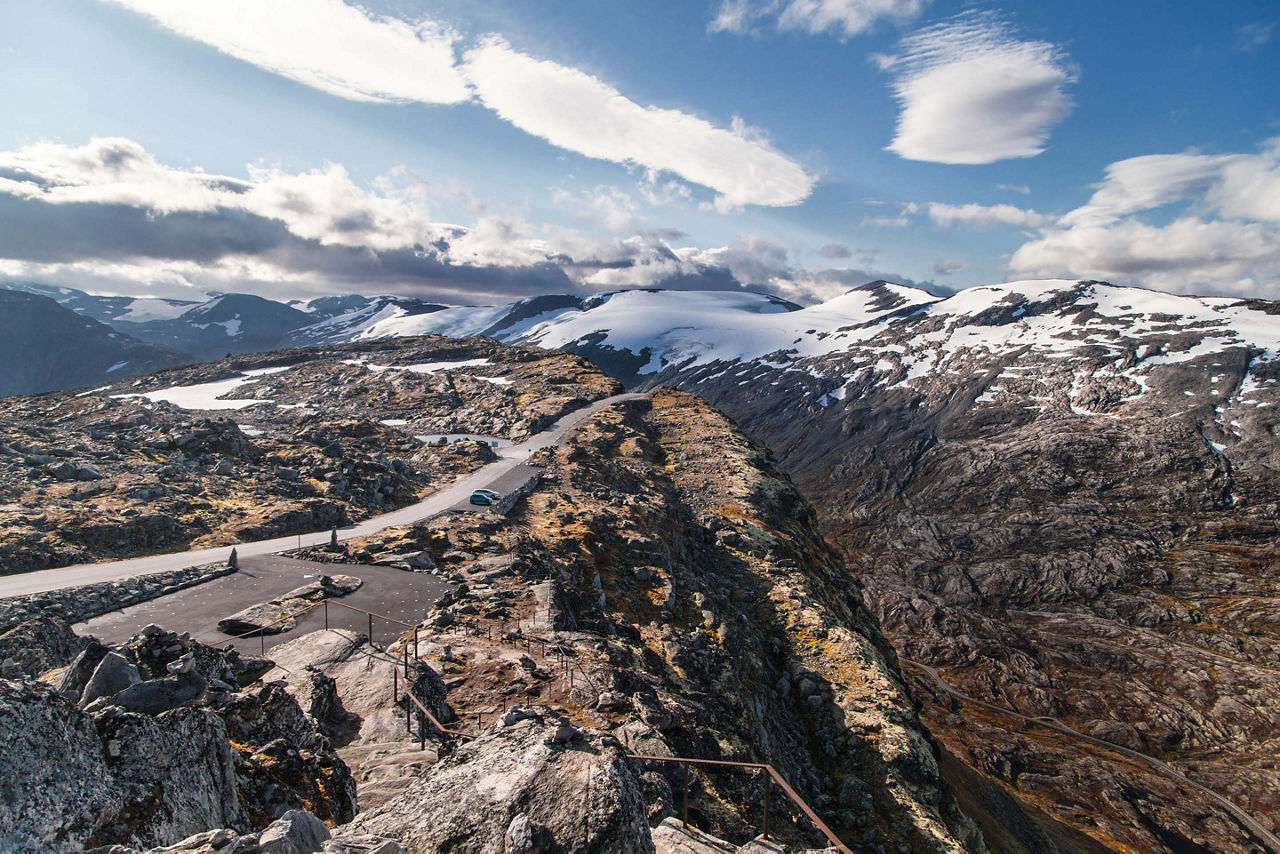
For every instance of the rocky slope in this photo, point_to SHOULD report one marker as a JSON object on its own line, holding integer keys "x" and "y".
{"x": 665, "y": 584}
{"x": 44, "y": 346}
{"x": 254, "y": 447}
{"x": 1061, "y": 496}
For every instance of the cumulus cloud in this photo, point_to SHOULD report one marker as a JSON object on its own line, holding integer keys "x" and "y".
{"x": 845, "y": 18}
{"x": 108, "y": 216}
{"x": 574, "y": 110}
{"x": 353, "y": 54}
{"x": 1217, "y": 228}
{"x": 985, "y": 215}
{"x": 324, "y": 44}
{"x": 971, "y": 92}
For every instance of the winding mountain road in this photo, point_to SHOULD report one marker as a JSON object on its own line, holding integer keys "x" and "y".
{"x": 1263, "y": 835}
{"x": 454, "y": 495}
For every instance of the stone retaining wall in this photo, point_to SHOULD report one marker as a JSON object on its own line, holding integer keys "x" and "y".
{"x": 77, "y": 604}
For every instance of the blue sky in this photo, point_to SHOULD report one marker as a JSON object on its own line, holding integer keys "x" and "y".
{"x": 479, "y": 154}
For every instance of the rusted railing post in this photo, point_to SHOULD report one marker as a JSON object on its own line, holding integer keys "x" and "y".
{"x": 684, "y": 818}
{"x": 764, "y": 775}
{"x": 326, "y": 614}
{"x": 415, "y": 642}
{"x": 395, "y": 685}
{"x": 371, "y": 630}
{"x": 262, "y": 641}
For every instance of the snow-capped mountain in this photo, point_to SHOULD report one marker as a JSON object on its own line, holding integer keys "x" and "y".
{"x": 107, "y": 309}
{"x": 45, "y": 347}
{"x": 337, "y": 319}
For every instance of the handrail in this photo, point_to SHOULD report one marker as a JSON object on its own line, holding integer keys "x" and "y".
{"x": 770, "y": 771}
{"x": 372, "y": 614}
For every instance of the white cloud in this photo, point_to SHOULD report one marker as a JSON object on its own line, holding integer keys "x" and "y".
{"x": 970, "y": 92}
{"x": 573, "y": 110}
{"x": 947, "y": 266}
{"x": 324, "y": 44}
{"x": 845, "y": 18}
{"x": 107, "y": 216}
{"x": 323, "y": 205}
{"x": 110, "y": 170}
{"x": 1015, "y": 188}
{"x": 986, "y": 215}
{"x": 1220, "y": 236}
{"x": 348, "y": 52}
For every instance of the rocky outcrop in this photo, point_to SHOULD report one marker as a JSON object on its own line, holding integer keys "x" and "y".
{"x": 537, "y": 785}
{"x": 37, "y": 645}
{"x": 151, "y": 741}
{"x": 73, "y": 780}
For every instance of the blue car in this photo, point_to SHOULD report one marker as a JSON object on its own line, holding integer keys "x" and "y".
{"x": 485, "y": 497}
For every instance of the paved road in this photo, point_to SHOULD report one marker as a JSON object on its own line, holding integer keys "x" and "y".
{"x": 1261, "y": 833}
{"x": 447, "y": 498}
{"x": 400, "y": 595}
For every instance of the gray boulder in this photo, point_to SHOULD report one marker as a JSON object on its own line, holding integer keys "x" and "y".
{"x": 113, "y": 674}
{"x": 81, "y": 670}
{"x": 512, "y": 784}
{"x": 295, "y": 832}
{"x": 161, "y": 695}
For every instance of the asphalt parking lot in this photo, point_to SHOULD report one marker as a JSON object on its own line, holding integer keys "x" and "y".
{"x": 395, "y": 593}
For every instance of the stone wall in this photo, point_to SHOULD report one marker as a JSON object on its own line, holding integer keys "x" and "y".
{"x": 77, "y": 604}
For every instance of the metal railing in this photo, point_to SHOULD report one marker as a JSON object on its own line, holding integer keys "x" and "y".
{"x": 769, "y": 774}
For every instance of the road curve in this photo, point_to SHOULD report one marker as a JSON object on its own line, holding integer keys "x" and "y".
{"x": 1267, "y": 838}
{"x": 511, "y": 457}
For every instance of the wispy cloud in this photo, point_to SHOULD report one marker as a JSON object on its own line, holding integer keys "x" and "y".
{"x": 1218, "y": 228}
{"x": 350, "y": 53}
{"x": 324, "y": 44}
{"x": 948, "y": 266}
{"x": 579, "y": 112}
{"x": 1250, "y": 37}
{"x": 971, "y": 92}
{"x": 845, "y": 18}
